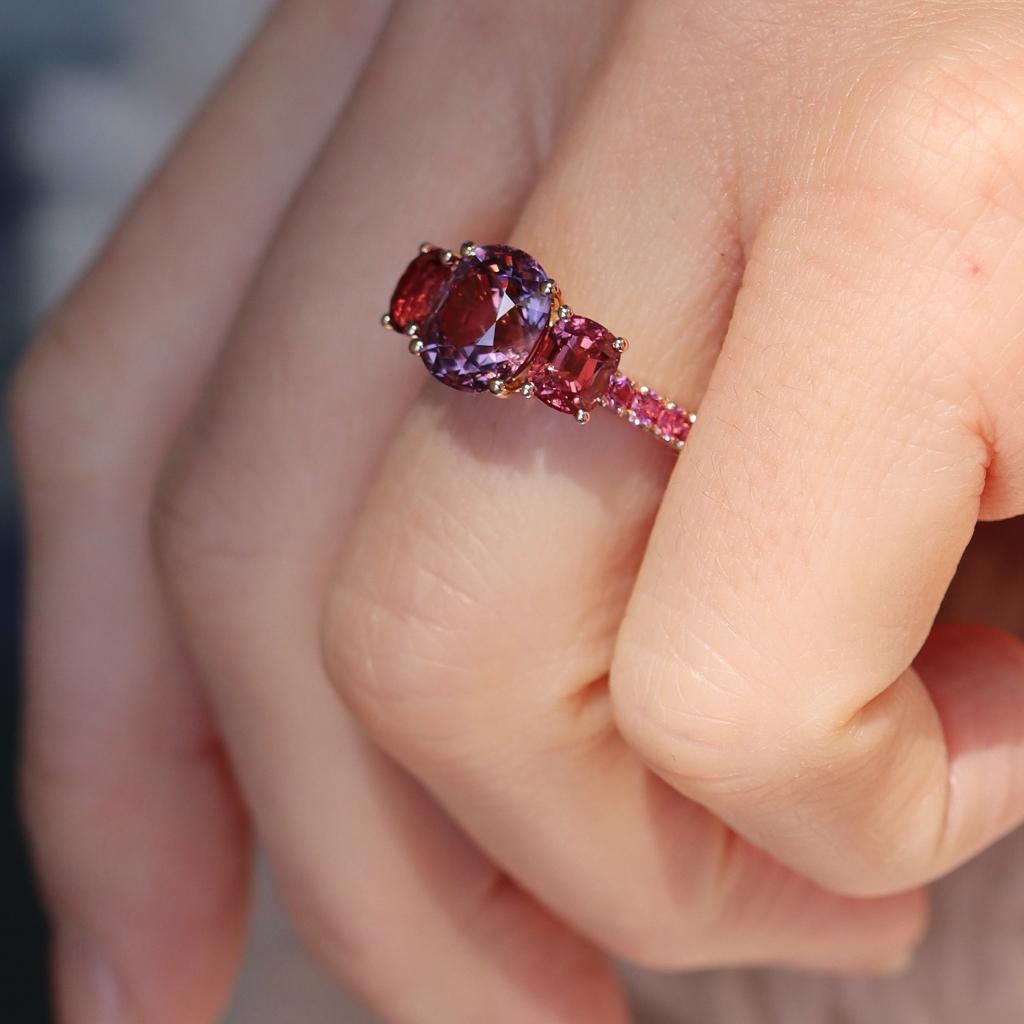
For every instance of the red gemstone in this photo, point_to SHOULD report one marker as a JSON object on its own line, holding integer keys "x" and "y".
{"x": 418, "y": 290}
{"x": 646, "y": 407}
{"x": 620, "y": 391}
{"x": 574, "y": 364}
{"x": 674, "y": 424}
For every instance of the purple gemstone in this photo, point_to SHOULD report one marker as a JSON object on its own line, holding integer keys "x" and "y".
{"x": 491, "y": 316}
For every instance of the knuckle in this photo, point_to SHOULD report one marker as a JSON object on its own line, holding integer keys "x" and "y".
{"x": 344, "y": 931}
{"x": 685, "y": 917}
{"x": 950, "y": 117}
{"x": 329, "y": 929}
{"x": 703, "y": 729}
{"x": 201, "y": 541}
{"x": 55, "y": 418}
{"x": 388, "y": 659}
{"x": 728, "y": 739}
{"x": 178, "y": 525}
{"x": 659, "y": 937}
{"x": 401, "y": 637}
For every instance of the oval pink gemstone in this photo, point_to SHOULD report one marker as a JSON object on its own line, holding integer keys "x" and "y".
{"x": 418, "y": 290}
{"x": 574, "y": 364}
{"x": 646, "y": 407}
{"x": 674, "y": 424}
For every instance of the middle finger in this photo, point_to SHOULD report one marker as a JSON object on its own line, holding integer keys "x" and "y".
{"x": 274, "y": 465}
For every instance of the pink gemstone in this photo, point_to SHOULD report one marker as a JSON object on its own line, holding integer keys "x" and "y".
{"x": 620, "y": 391}
{"x": 418, "y": 290}
{"x": 574, "y": 364}
{"x": 674, "y": 424}
{"x": 646, "y": 407}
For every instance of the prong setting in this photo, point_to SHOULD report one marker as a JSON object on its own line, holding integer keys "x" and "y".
{"x": 583, "y": 371}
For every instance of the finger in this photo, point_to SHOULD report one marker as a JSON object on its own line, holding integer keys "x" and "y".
{"x": 423, "y": 927}
{"x": 805, "y": 544}
{"x": 300, "y": 407}
{"x": 137, "y": 830}
{"x": 474, "y": 613}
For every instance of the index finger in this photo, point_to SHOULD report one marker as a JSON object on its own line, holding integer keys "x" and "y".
{"x": 856, "y": 416}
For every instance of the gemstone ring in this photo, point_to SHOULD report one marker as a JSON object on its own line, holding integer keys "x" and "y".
{"x": 488, "y": 319}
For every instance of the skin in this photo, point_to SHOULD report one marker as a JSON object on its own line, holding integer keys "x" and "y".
{"x": 501, "y": 696}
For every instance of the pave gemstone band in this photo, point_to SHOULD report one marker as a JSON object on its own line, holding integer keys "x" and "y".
{"x": 488, "y": 319}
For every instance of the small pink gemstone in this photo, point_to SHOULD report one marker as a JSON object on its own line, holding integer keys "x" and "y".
{"x": 573, "y": 364}
{"x": 646, "y": 407}
{"x": 620, "y": 391}
{"x": 418, "y": 290}
{"x": 674, "y": 424}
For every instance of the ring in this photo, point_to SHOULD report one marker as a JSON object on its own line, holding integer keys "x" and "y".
{"x": 488, "y": 319}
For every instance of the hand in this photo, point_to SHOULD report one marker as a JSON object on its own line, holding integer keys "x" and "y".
{"x": 690, "y": 713}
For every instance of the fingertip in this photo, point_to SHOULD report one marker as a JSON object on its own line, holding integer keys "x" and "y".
{"x": 86, "y": 987}
{"x": 148, "y": 901}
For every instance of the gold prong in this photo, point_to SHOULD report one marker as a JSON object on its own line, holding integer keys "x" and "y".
{"x": 385, "y": 321}
{"x": 620, "y": 344}
{"x": 412, "y": 330}
{"x": 496, "y": 387}
{"x": 549, "y": 286}
{"x": 582, "y": 416}
{"x": 426, "y": 247}
{"x": 447, "y": 257}
{"x": 527, "y": 390}
{"x": 564, "y": 312}
{"x": 416, "y": 346}
{"x": 692, "y": 418}
{"x": 467, "y": 248}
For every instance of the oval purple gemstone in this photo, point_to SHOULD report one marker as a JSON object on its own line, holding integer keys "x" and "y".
{"x": 490, "y": 318}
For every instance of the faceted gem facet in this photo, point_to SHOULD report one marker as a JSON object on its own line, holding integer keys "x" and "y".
{"x": 674, "y": 424}
{"x": 646, "y": 406}
{"x": 490, "y": 317}
{"x": 574, "y": 364}
{"x": 418, "y": 290}
{"x": 620, "y": 391}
